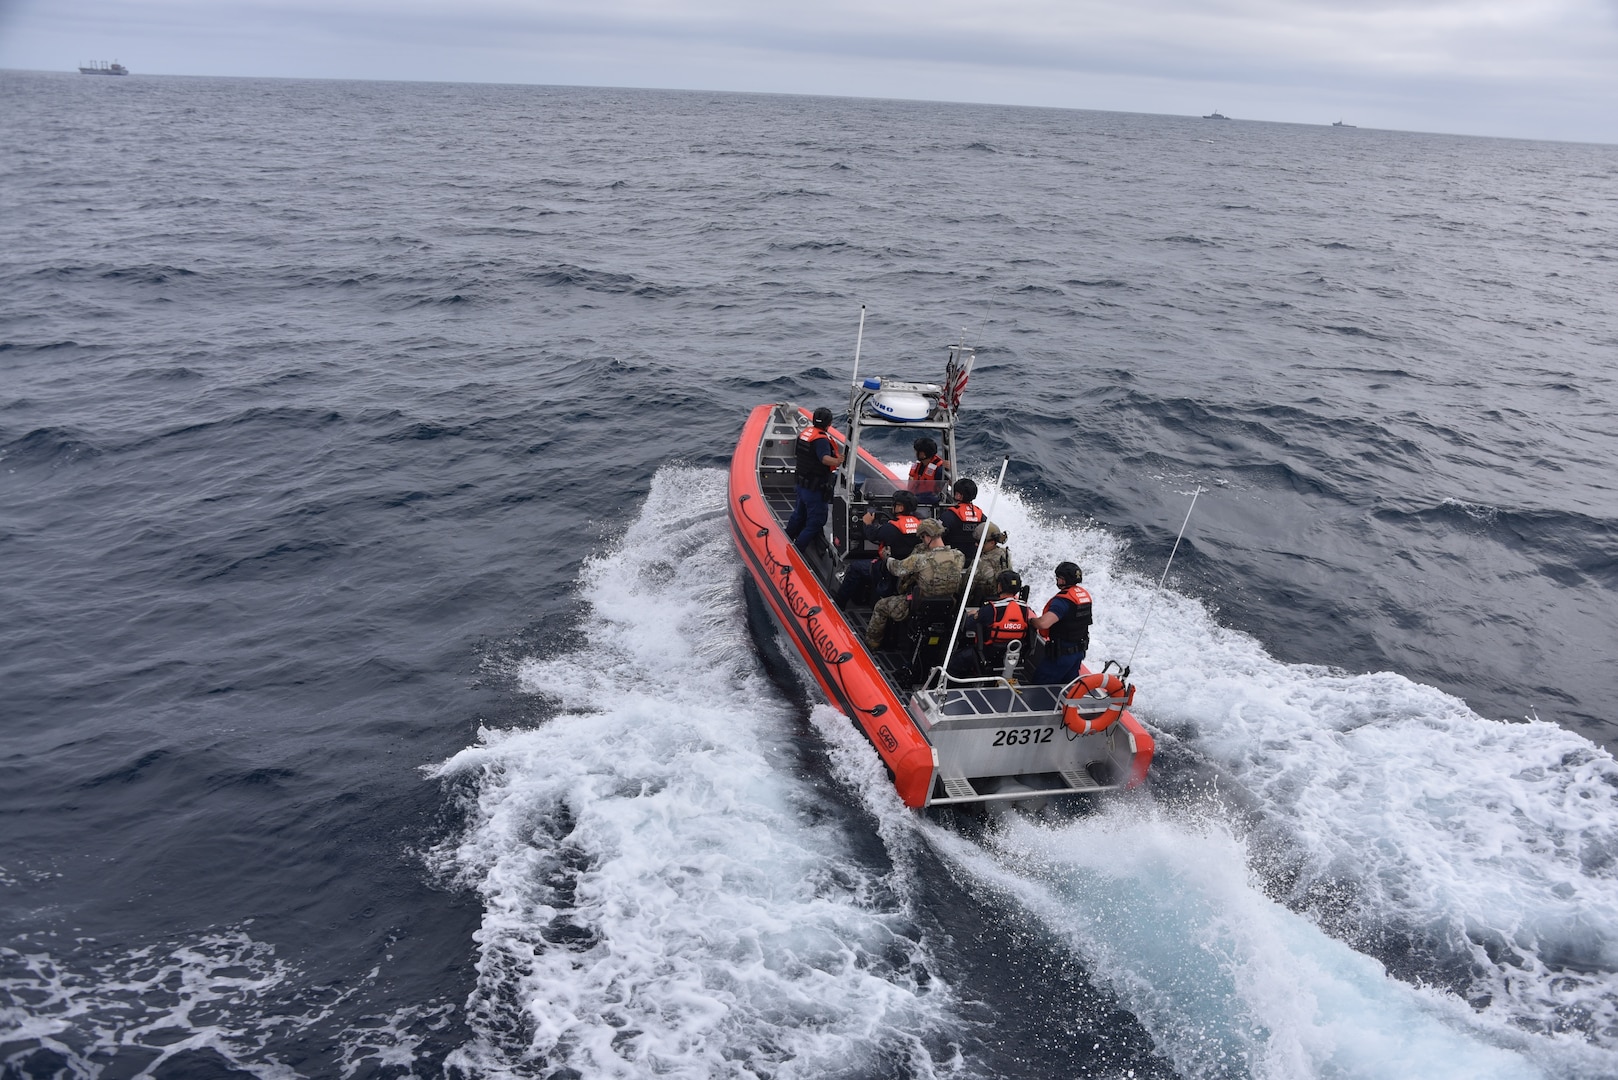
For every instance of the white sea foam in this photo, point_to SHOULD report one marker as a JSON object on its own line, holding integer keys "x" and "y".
{"x": 1492, "y": 844}
{"x": 662, "y": 892}
{"x": 152, "y": 1010}
{"x": 1164, "y": 913}
{"x": 657, "y": 898}
{"x": 1228, "y": 982}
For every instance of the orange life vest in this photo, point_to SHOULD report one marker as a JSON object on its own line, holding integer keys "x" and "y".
{"x": 809, "y": 470}
{"x": 958, "y": 534}
{"x": 924, "y": 476}
{"x": 907, "y": 524}
{"x": 1010, "y": 622}
{"x": 1076, "y": 627}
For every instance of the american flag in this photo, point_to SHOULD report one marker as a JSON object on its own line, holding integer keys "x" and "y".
{"x": 955, "y": 376}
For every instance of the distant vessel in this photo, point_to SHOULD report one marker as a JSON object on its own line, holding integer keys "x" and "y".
{"x": 101, "y": 67}
{"x": 1216, "y": 115}
{"x": 1339, "y": 123}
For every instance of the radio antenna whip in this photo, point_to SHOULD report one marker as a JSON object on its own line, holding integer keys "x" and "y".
{"x": 858, "y": 341}
{"x": 854, "y": 387}
{"x": 1164, "y": 578}
{"x": 983, "y": 320}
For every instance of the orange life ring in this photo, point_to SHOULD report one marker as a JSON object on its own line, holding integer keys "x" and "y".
{"x": 1092, "y": 702}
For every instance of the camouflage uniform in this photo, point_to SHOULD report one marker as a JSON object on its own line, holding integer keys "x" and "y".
{"x": 986, "y": 583}
{"x": 934, "y": 573}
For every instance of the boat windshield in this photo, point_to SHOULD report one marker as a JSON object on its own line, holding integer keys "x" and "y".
{"x": 895, "y": 446}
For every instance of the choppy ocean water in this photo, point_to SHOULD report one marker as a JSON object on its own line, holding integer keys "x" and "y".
{"x": 379, "y": 691}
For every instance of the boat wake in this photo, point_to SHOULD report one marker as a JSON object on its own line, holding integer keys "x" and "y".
{"x": 1301, "y": 814}
{"x": 668, "y": 887}
{"x": 1328, "y": 874}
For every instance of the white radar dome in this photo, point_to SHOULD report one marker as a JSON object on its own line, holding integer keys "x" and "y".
{"x": 901, "y": 405}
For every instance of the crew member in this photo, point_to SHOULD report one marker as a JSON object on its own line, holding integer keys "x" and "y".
{"x": 962, "y": 518}
{"x": 1065, "y": 625}
{"x": 927, "y": 475}
{"x": 1003, "y": 620}
{"x": 896, "y": 538}
{"x": 817, "y": 461}
{"x": 931, "y": 572}
{"x": 996, "y": 560}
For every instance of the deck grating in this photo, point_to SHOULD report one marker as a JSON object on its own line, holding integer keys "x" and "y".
{"x": 1079, "y": 780}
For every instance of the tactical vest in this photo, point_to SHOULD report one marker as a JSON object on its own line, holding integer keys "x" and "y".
{"x": 960, "y": 536}
{"x": 939, "y": 573}
{"x": 811, "y": 472}
{"x": 905, "y": 523}
{"x": 1075, "y": 626}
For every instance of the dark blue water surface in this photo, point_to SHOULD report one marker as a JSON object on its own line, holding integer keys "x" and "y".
{"x": 378, "y": 693}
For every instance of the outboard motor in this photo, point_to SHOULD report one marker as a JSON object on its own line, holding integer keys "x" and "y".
{"x": 1013, "y": 654}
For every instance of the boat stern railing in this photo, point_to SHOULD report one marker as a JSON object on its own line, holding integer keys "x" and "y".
{"x": 988, "y": 699}
{"x": 997, "y": 740}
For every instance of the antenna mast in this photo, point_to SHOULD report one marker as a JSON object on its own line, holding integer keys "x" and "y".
{"x": 1164, "y": 578}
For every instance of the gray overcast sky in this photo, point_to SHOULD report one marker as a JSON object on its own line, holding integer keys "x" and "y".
{"x": 1544, "y": 69}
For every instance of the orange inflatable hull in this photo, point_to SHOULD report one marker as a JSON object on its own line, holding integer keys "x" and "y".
{"x": 834, "y": 651}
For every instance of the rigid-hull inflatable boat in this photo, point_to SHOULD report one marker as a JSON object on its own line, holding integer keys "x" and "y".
{"x": 945, "y": 738}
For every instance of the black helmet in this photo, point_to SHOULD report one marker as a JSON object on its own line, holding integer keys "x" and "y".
{"x": 1069, "y": 572}
{"x": 905, "y": 499}
{"x": 822, "y": 417}
{"x": 966, "y": 490}
{"x": 926, "y": 446}
{"x": 1009, "y": 581}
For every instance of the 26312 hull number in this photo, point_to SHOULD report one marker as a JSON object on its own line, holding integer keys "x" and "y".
{"x": 1022, "y": 736}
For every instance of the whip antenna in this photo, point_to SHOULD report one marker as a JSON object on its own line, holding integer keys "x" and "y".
{"x": 983, "y": 320}
{"x": 854, "y": 388}
{"x": 858, "y": 341}
{"x": 1165, "y": 576}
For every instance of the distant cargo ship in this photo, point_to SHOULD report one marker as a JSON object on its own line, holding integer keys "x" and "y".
{"x": 101, "y": 67}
